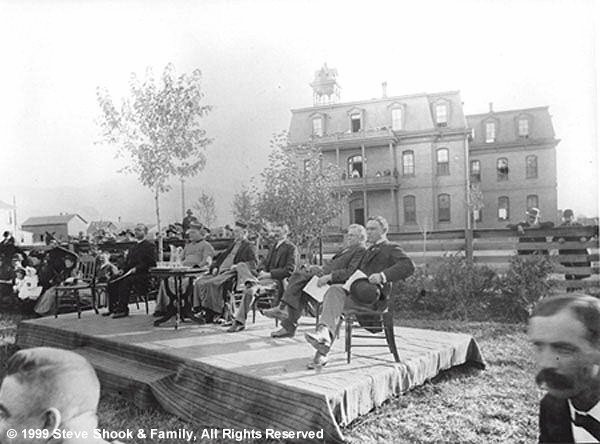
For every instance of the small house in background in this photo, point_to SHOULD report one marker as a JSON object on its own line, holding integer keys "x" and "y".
{"x": 60, "y": 227}
{"x": 106, "y": 226}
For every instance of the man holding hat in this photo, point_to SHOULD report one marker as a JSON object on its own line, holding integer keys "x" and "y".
{"x": 533, "y": 221}
{"x": 384, "y": 262}
{"x": 237, "y": 262}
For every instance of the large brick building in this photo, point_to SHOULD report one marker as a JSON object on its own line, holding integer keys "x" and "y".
{"x": 411, "y": 158}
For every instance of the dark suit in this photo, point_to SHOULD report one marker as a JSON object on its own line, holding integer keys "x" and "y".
{"x": 555, "y": 421}
{"x": 141, "y": 256}
{"x": 246, "y": 253}
{"x": 281, "y": 263}
{"x": 342, "y": 265}
{"x": 385, "y": 257}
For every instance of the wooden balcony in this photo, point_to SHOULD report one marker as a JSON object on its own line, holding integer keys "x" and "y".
{"x": 369, "y": 183}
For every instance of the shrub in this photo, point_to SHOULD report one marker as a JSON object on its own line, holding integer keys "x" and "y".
{"x": 452, "y": 286}
{"x": 525, "y": 282}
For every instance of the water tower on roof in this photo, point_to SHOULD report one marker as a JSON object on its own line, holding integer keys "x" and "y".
{"x": 325, "y": 86}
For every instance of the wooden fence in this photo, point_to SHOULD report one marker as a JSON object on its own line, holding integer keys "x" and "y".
{"x": 495, "y": 247}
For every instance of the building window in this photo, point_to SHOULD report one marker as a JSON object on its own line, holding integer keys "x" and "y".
{"x": 532, "y": 201}
{"x": 503, "y": 208}
{"x": 531, "y": 169}
{"x": 523, "y": 127}
{"x": 397, "y": 119}
{"x": 443, "y": 164}
{"x": 441, "y": 114}
{"x": 408, "y": 163}
{"x": 317, "y": 125}
{"x": 355, "y": 122}
{"x": 355, "y": 167}
{"x": 490, "y": 132}
{"x": 410, "y": 210}
{"x": 444, "y": 208}
{"x": 502, "y": 168}
{"x": 475, "y": 171}
{"x": 477, "y": 216}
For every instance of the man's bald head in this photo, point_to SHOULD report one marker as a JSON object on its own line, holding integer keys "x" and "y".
{"x": 46, "y": 388}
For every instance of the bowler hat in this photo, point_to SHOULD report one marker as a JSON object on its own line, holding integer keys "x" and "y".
{"x": 363, "y": 292}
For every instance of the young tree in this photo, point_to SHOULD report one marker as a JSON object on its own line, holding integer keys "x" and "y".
{"x": 298, "y": 189}
{"x": 157, "y": 129}
{"x": 243, "y": 206}
{"x": 205, "y": 206}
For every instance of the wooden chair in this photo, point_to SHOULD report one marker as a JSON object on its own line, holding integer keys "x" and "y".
{"x": 86, "y": 280}
{"x": 381, "y": 320}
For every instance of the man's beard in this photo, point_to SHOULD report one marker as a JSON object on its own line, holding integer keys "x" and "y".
{"x": 553, "y": 380}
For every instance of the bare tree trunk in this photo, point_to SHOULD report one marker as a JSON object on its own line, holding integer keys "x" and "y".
{"x": 159, "y": 231}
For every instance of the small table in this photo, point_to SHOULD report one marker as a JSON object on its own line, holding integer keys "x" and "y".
{"x": 74, "y": 288}
{"x": 178, "y": 274}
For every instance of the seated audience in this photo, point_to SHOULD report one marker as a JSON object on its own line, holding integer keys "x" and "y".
{"x": 136, "y": 274}
{"x": 279, "y": 264}
{"x": 340, "y": 268}
{"x": 226, "y": 270}
{"x": 52, "y": 391}
{"x": 383, "y": 262}
{"x": 565, "y": 330}
{"x": 47, "y": 301}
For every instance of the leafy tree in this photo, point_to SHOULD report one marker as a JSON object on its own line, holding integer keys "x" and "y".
{"x": 205, "y": 206}
{"x": 298, "y": 189}
{"x": 157, "y": 129}
{"x": 243, "y": 206}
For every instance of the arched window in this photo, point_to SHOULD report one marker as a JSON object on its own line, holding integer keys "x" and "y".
{"x": 317, "y": 126}
{"x": 502, "y": 168}
{"x": 531, "y": 167}
{"x": 355, "y": 122}
{"x": 355, "y": 167}
{"x": 503, "y": 208}
{"x": 444, "y": 208}
{"x": 408, "y": 163}
{"x": 410, "y": 210}
{"x": 397, "y": 119}
{"x": 490, "y": 132}
{"x": 443, "y": 164}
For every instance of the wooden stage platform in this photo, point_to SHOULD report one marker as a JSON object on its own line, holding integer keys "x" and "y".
{"x": 247, "y": 380}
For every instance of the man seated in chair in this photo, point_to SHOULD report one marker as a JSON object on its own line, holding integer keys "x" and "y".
{"x": 136, "y": 274}
{"x": 197, "y": 253}
{"x": 279, "y": 264}
{"x": 383, "y": 262}
{"x": 294, "y": 300}
{"x": 237, "y": 262}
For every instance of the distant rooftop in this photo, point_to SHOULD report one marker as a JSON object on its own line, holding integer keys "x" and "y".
{"x": 51, "y": 220}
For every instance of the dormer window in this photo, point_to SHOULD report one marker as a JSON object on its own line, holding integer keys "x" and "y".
{"x": 355, "y": 122}
{"x": 317, "y": 126}
{"x": 441, "y": 114}
{"x": 397, "y": 119}
{"x": 523, "y": 126}
{"x": 490, "y": 132}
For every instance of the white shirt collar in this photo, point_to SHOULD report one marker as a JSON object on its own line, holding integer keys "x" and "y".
{"x": 278, "y": 244}
{"x": 579, "y": 433}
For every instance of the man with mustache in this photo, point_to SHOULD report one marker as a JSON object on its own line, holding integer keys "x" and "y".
{"x": 565, "y": 330}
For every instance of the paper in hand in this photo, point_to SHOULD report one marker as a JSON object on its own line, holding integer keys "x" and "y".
{"x": 356, "y": 275}
{"x": 314, "y": 291}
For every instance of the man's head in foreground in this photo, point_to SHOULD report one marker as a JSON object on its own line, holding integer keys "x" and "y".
{"x": 47, "y": 389}
{"x": 565, "y": 330}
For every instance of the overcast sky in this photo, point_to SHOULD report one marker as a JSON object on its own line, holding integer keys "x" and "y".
{"x": 257, "y": 59}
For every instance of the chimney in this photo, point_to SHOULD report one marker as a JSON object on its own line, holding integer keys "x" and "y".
{"x": 384, "y": 90}
{"x": 491, "y": 107}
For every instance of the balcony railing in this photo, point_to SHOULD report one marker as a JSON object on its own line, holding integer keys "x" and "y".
{"x": 367, "y": 134}
{"x": 370, "y": 182}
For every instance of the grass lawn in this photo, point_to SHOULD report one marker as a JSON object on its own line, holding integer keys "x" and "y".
{"x": 496, "y": 405}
